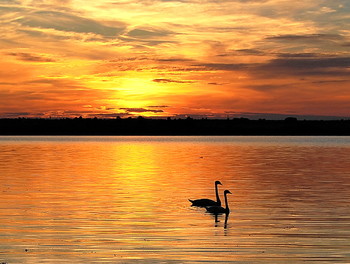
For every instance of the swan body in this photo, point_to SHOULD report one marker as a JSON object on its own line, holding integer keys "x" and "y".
{"x": 208, "y": 202}
{"x": 216, "y": 209}
{"x": 203, "y": 202}
{"x": 219, "y": 209}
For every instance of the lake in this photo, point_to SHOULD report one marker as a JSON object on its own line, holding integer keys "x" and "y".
{"x": 125, "y": 199}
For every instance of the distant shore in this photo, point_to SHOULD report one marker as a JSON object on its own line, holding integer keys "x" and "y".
{"x": 188, "y": 126}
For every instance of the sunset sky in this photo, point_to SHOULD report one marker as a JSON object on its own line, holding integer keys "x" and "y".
{"x": 199, "y": 58}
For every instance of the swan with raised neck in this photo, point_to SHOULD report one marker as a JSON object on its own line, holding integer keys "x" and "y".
{"x": 220, "y": 209}
{"x": 208, "y": 202}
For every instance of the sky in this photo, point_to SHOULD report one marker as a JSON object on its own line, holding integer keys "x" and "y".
{"x": 175, "y": 58}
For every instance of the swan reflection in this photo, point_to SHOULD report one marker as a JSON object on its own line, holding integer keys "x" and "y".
{"x": 217, "y": 221}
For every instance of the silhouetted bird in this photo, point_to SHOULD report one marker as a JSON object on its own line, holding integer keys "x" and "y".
{"x": 208, "y": 202}
{"x": 219, "y": 209}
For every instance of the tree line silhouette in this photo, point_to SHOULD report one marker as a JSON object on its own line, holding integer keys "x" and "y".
{"x": 169, "y": 126}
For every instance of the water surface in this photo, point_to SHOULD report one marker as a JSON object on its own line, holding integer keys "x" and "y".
{"x": 124, "y": 199}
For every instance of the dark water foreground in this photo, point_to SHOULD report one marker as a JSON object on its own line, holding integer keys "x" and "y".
{"x": 189, "y": 126}
{"x": 124, "y": 199}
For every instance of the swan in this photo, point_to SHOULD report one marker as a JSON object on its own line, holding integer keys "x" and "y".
{"x": 220, "y": 209}
{"x": 208, "y": 202}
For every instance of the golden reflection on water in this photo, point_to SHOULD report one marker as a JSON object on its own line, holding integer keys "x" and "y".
{"x": 121, "y": 200}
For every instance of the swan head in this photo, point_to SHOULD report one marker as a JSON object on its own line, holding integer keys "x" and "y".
{"x": 218, "y": 182}
{"x": 227, "y": 191}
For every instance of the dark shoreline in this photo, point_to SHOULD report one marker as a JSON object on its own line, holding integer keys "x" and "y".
{"x": 189, "y": 126}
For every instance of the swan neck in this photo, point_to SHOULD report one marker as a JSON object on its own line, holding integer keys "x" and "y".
{"x": 217, "y": 194}
{"x": 226, "y": 203}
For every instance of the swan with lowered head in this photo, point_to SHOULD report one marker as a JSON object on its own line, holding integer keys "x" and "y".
{"x": 208, "y": 202}
{"x": 219, "y": 209}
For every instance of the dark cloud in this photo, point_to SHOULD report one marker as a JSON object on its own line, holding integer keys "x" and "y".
{"x": 303, "y": 66}
{"x": 330, "y": 81}
{"x": 131, "y": 59}
{"x": 215, "y": 83}
{"x": 251, "y": 52}
{"x": 170, "y": 81}
{"x": 267, "y": 87}
{"x": 56, "y": 82}
{"x": 310, "y": 63}
{"x": 311, "y": 37}
{"x": 141, "y": 110}
{"x": 68, "y": 22}
{"x": 148, "y": 33}
{"x": 10, "y": 2}
{"x": 225, "y": 66}
{"x": 243, "y": 52}
{"x": 289, "y": 64}
{"x": 30, "y": 57}
{"x": 299, "y": 55}
{"x": 22, "y": 114}
{"x": 158, "y": 106}
{"x": 174, "y": 60}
